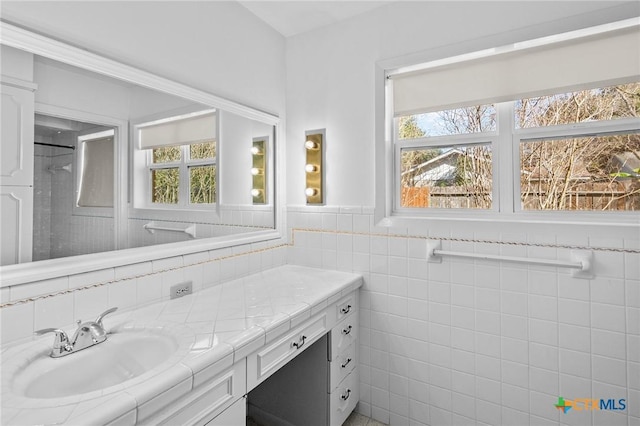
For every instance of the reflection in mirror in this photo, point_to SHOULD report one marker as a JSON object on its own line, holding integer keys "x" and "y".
{"x": 72, "y": 188}
{"x": 172, "y": 171}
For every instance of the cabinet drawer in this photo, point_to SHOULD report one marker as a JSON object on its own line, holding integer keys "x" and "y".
{"x": 344, "y": 398}
{"x": 266, "y": 361}
{"x": 206, "y": 401}
{"x": 344, "y": 335}
{"x": 346, "y": 306}
{"x": 341, "y": 366}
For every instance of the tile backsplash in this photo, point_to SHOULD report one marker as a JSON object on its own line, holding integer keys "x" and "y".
{"x": 59, "y": 302}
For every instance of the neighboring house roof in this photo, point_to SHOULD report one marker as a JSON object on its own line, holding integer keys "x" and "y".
{"x": 440, "y": 168}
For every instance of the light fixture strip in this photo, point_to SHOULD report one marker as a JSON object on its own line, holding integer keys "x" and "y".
{"x": 258, "y": 171}
{"x": 314, "y": 166}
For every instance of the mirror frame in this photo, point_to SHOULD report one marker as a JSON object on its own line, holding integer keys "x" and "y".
{"x": 29, "y": 41}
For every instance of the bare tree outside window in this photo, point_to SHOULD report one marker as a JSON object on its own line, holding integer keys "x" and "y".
{"x": 457, "y": 176}
{"x": 585, "y": 173}
{"x": 600, "y": 172}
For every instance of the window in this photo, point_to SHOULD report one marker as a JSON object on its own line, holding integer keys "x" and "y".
{"x": 95, "y": 170}
{"x": 530, "y": 129}
{"x": 181, "y": 161}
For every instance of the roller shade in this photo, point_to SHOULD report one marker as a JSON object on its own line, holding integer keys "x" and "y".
{"x": 96, "y": 183}
{"x": 607, "y": 58}
{"x": 181, "y": 131}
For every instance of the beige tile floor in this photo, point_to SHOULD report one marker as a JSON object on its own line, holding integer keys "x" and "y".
{"x": 356, "y": 419}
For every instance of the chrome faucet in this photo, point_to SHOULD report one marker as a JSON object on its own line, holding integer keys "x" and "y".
{"x": 87, "y": 334}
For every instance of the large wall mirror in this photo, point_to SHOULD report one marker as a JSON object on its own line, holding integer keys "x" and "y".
{"x": 124, "y": 160}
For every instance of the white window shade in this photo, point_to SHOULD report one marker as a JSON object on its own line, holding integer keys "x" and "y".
{"x": 96, "y": 183}
{"x": 607, "y": 58}
{"x": 182, "y": 131}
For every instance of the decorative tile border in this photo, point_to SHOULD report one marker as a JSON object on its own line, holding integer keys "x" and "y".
{"x": 132, "y": 277}
{"x": 463, "y": 240}
{"x": 322, "y": 231}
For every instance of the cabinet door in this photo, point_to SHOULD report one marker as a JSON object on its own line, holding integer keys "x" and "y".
{"x": 16, "y": 222}
{"x": 16, "y": 136}
{"x": 236, "y": 415}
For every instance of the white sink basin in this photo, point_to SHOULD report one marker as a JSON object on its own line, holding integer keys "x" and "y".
{"x": 122, "y": 357}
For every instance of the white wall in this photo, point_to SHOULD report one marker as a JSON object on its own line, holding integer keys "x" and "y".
{"x": 459, "y": 342}
{"x": 219, "y": 47}
{"x": 330, "y": 72}
{"x": 16, "y": 63}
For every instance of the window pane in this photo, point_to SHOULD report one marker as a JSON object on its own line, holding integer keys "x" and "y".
{"x": 167, "y": 154}
{"x": 447, "y": 177}
{"x": 165, "y": 183}
{"x": 607, "y": 103}
{"x": 202, "y": 184}
{"x": 474, "y": 119}
{"x": 587, "y": 173}
{"x": 202, "y": 151}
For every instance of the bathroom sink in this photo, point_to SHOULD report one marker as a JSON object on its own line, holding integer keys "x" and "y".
{"x": 123, "y": 356}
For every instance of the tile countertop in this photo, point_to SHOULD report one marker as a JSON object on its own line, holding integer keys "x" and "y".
{"x": 214, "y": 327}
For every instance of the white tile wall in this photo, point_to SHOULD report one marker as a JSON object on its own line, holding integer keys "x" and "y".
{"x": 482, "y": 342}
{"x": 459, "y": 342}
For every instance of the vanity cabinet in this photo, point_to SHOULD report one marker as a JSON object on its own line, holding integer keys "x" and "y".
{"x": 18, "y": 106}
{"x": 265, "y": 362}
{"x": 16, "y": 170}
{"x": 16, "y": 203}
{"x": 310, "y": 375}
{"x": 207, "y": 401}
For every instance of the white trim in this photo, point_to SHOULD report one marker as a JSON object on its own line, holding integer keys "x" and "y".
{"x": 26, "y": 40}
{"x": 54, "y": 268}
{"x": 19, "y": 83}
{"x": 519, "y": 46}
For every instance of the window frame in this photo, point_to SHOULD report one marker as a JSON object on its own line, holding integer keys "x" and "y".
{"x": 485, "y": 138}
{"x": 141, "y": 164}
{"x": 505, "y": 151}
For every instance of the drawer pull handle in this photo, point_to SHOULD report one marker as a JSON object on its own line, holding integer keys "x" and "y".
{"x": 346, "y": 395}
{"x": 346, "y": 330}
{"x": 346, "y": 309}
{"x": 299, "y": 344}
{"x": 346, "y": 363}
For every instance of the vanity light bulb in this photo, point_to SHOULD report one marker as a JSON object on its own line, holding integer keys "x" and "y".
{"x": 255, "y": 192}
{"x": 310, "y": 168}
{"x": 255, "y": 150}
{"x": 311, "y": 192}
{"x": 256, "y": 171}
{"x": 310, "y": 145}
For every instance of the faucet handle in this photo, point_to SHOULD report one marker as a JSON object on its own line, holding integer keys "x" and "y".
{"x": 49, "y": 330}
{"x": 105, "y": 313}
{"x": 61, "y": 342}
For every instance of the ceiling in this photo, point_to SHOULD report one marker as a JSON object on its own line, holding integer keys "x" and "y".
{"x": 294, "y": 17}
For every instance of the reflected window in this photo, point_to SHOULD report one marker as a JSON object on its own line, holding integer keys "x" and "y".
{"x": 95, "y": 156}
{"x": 181, "y": 160}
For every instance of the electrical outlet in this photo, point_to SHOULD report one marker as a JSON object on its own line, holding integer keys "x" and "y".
{"x": 180, "y": 290}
